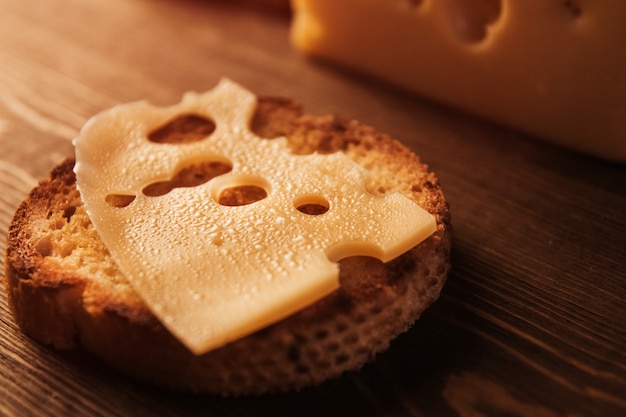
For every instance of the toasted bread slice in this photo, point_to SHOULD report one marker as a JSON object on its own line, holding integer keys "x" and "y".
{"x": 65, "y": 289}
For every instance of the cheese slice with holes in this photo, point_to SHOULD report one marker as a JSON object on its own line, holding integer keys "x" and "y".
{"x": 213, "y": 272}
{"x": 555, "y": 69}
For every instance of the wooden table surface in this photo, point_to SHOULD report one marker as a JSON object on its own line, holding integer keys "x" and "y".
{"x": 532, "y": 320}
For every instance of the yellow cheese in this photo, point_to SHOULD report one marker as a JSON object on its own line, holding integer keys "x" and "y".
{"x": 556, "y": 69}
{"x": 211, "y": 271}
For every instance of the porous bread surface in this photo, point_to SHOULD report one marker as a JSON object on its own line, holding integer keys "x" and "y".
{"x": 65, "y": 289}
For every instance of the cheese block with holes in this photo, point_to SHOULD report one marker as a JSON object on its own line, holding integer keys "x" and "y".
{"x": 555, "y": 69}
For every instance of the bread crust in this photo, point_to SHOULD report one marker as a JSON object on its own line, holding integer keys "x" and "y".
{"x": 58, "y": 296}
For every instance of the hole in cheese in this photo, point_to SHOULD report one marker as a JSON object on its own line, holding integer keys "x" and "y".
{"x": 241, "y": 195}
{"x": 190, "y": 176}
{"x": 239, "y": 189}
{"x": 313, "y": 209}
{"x": 312, "y": 204}
{"x": 469, "y": 20}
{"x": 119, "y": 200}
{"x": 185, "y": 128}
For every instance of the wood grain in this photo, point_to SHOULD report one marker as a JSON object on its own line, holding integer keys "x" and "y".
{"x": 532, "y": 319}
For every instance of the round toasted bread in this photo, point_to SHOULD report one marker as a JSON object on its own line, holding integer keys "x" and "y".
{"x": 65, "y": 289}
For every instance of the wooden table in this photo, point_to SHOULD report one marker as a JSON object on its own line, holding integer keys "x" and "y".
{"x": 532, "y": 320}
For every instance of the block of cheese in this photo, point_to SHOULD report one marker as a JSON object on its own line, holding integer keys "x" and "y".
{"x": 555, "y": 69}
{"x": 210, "y": 270}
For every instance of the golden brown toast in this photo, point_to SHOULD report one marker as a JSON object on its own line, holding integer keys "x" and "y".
{"x": 65, "y": 289}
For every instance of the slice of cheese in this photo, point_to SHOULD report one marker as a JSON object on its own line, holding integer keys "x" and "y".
{"x": 213, "y": 272}
{"x": 556, "y": 69}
